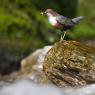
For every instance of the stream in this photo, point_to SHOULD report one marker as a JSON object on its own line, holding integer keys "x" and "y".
{"x": 27, "y": 87}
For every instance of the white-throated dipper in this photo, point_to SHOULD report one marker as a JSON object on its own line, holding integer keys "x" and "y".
{"x": 60, "y": 22}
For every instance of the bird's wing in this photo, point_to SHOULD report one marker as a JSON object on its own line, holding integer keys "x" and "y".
{"x": 64, "y": 21}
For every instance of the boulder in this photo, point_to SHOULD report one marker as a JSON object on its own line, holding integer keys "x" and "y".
{"x": 32, "y": 65}
{"x": 70, "y": 63}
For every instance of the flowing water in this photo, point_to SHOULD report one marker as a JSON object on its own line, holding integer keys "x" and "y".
{"x": 27, "y": 87}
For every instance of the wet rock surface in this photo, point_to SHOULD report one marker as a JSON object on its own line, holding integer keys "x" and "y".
{"x": 32, "y": 65}
{"x": 34, "y": 60}
{"x": 70, "y": 63}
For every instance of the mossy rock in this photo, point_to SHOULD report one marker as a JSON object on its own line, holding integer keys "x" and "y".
{"x": 70, "y": 63}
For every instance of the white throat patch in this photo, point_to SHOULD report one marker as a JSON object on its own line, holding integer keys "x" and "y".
{"x": 52, "y": 20}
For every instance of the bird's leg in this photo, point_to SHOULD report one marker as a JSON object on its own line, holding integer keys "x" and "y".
{"x": 63, "y": 33}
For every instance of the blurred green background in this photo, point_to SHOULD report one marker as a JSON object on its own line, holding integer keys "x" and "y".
{"x": 23, "y": 29}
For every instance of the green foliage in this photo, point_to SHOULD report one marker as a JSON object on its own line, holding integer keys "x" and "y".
{"x": 86, "y": 29}
{"x": 20, "y": 24}
{"x": 22, "y": 27}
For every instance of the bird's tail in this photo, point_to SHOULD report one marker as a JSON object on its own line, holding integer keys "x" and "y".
{"x": 77, "y": 19}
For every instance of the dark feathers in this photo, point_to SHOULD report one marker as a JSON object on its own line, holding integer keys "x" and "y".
{"x": 67, "y": 22}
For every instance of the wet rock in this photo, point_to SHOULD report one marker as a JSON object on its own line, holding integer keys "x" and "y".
{"x": 32, "y": 66}
{"x": 70, "y": 63}
{"x": 35, "y": 59}
{"x": 89, "y": 42}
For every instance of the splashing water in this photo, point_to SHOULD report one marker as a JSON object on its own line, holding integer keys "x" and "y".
{"x": 27, "y": 87}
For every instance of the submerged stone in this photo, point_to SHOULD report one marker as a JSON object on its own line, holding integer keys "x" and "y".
{"x": 70, "y": 63}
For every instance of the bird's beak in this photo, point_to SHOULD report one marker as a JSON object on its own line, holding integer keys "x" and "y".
{"x": 43, "y": 13}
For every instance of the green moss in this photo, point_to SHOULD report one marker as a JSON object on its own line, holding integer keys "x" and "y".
{"x": 70, "y": 63}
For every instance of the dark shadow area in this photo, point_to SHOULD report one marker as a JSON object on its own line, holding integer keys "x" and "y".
{"x": 68, "y": 7}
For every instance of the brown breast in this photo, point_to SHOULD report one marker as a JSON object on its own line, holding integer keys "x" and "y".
{"x": 58, "y": 26}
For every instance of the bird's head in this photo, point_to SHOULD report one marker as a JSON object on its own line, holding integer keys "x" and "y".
{"x": 49, "y": 12}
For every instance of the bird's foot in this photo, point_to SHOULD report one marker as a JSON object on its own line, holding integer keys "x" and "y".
{"x": 63, "y": 36}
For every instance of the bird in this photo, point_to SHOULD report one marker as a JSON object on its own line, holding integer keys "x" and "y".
{"x": 61, "y": 22}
